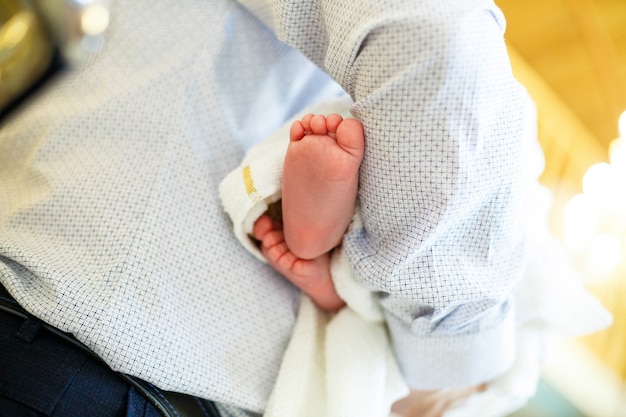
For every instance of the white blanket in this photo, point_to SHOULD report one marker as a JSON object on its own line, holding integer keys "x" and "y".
{"x": 342, "y": 364}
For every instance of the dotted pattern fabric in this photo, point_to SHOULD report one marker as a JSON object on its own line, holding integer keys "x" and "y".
{"x": 111, "y": 226}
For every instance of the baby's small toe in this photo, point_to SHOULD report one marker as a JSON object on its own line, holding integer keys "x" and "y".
{"x": 297, "y": 131}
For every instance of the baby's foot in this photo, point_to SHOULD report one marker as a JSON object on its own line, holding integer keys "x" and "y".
{"x": 312, "y": 276}
{"x": 320, "y": 181}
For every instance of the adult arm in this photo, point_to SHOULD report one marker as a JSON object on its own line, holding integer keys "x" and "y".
{"x": 438, "y": 187}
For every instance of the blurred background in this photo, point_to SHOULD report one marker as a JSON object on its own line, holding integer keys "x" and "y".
{"x": 571, "y": 56}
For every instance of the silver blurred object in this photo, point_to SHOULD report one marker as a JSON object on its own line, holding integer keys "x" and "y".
{"x": 39, "y": 36}
{"x": 77, "y": 26}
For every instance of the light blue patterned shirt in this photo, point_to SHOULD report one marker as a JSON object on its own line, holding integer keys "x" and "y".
{"x": 110, "y": 222}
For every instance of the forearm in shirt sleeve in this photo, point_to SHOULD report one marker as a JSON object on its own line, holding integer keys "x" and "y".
{"x": 439, "y": 183}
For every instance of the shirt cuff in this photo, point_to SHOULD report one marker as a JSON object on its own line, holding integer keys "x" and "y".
{"x": 438, "y": 360}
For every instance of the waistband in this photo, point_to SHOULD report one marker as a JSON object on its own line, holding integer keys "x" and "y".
{"x": 169, "y": 404}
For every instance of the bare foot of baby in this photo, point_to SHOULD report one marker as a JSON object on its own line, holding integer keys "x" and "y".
{"x": 312, "y": 276}
{"x": 320, "y": 181}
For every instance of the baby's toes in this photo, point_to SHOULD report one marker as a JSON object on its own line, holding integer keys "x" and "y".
{"x": 287, "y": 260}
{"x": 350, "y": 137}
{"x": 273, "y": 238}
{"x": 275, "y": 252}
{"x": 261, "y": 227}
{"x": 306, "y": 123}
{"x": 318, "y": 125}
{"x": 297, "y": 131}
{"x": 332, "y": 123}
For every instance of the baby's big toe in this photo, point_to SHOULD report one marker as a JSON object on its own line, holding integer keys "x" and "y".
{"x": 261, "y": 227}
{"x": 297, "y": 131}
{"x": 350, "y": 136}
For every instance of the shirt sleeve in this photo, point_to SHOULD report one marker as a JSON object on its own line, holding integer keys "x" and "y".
{"x": 440, "y": 181}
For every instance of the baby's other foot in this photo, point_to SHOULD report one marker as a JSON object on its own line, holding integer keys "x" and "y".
{"x": 312, "y": 276}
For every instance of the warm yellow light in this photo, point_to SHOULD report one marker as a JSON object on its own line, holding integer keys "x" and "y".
{"x": 595, "y": 221}
{"x": 603, "y": 256}
{"x": 617, "y": 153}
{"x": 622, "y": 125}
{"x": 598, "y": 181}
{"x": 95, "y": 19}
{"x": 581, "y": 218}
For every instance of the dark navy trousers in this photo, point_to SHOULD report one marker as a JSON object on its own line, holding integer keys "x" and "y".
{"x": 47, "y": 373}
{"x": 44, "y": 375}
